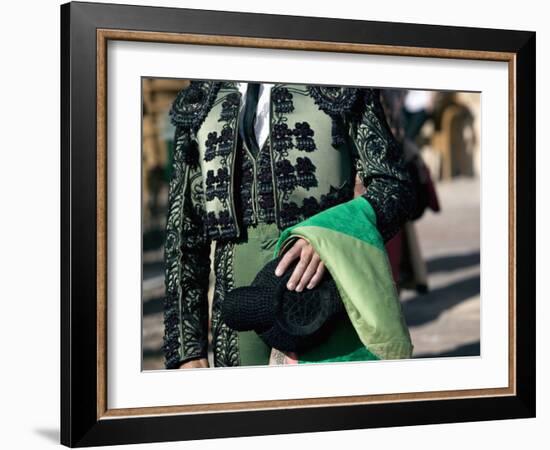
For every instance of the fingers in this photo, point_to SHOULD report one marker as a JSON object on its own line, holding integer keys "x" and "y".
{"x": 308, "y": 274}
{"x": 317, "y": 276}
{"x": 306, "y": 256}
{"x": 293, "y": 253}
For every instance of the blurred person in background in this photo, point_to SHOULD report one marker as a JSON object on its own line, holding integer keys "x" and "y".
{"x": 407, "y": 112}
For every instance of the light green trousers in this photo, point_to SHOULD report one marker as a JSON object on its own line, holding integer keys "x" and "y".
{"x": 342, "y": 343}
{"x": 248, "y": 258}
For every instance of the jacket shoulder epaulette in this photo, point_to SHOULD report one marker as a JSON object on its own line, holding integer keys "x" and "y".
{"x": 193, "y": 103}
{"x": 333, "y": 100}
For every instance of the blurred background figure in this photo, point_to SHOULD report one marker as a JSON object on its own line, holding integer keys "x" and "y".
{"x": 435, "y": 258}
{"x": 407, "y": 111}
{"x": 417, "y": 109}
{"x": 450, "y": 140}
{"x": 157, "y": 135}
{"x": 442, "y": 129}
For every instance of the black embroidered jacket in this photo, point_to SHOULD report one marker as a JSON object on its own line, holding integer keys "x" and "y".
{"x": 320, "y": 138}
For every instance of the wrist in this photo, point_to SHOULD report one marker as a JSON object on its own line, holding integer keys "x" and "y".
{"x": 194, "y": 363}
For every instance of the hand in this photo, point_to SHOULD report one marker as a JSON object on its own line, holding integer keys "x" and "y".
{"x": 309, "y": 270}
{"x": 279, "y": 358}
{"x": 195, "y": 364}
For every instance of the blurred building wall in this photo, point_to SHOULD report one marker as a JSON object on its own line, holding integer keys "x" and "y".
{"x": 157, "y": 137}
{"x": 450, "y": 141}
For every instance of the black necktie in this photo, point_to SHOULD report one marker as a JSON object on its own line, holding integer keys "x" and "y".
{"x": 246, "y": 125}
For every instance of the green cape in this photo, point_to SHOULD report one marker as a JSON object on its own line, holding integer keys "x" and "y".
{"x": 349, "y": 244}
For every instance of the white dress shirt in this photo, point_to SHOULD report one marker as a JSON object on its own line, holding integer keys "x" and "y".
{"x": 261, "y": 124}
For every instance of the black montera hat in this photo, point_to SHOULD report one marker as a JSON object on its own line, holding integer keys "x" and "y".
{"x": 286, "y": 320}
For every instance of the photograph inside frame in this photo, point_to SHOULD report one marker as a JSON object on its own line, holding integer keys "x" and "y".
{"x": 296, "y": 223}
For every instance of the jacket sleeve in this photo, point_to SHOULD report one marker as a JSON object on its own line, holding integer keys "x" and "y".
{"x": 187, "y": 258}
{"x": 380, "y": 164}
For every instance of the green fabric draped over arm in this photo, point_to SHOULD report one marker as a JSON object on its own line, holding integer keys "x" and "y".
{"x": 352, "y": 249}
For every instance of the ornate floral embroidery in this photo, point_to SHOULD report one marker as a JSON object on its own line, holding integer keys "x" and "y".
{"x": 190, "y": 156}
{"x": 282, "y": 138}
{"x": 257, "y": 200}
{"x": 266, "y": 199}
{"x": 305, "y": 171}
{"x": 211, "y": 144}
{"x": 310, "y": 207}
{"x": 192, "y": 105}
{"x": 171, "y": 341}
{"x": 220, "y": 227}
{"x": 229, "y": 107}
{"x": 304, "y": 137}
{"x": 267, "y": 204}
{"x": 221, "y": 145}
{"x": 186, "y": 278}
{"x": 286, "y": 176}
{"x": 282, "y": 99}
{"x": 217, "y": 185}
{"x": 289, "y": 176}
{"x": 336, "y": 196}
{"x": 335, "y": 101}
{"x": 291, "y": 213}
{"x": 219, "y": 149}
{"x": 224, "y": 339}
{"x": 381, "y": 167}
{"x": 246, "y": 187}
{"x": 225, "y": 142}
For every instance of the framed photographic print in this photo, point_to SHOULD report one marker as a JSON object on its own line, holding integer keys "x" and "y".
{"x": 279, "y": 224}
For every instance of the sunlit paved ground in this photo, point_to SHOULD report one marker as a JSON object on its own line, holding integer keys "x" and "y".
{"x": 445, "y": 321}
